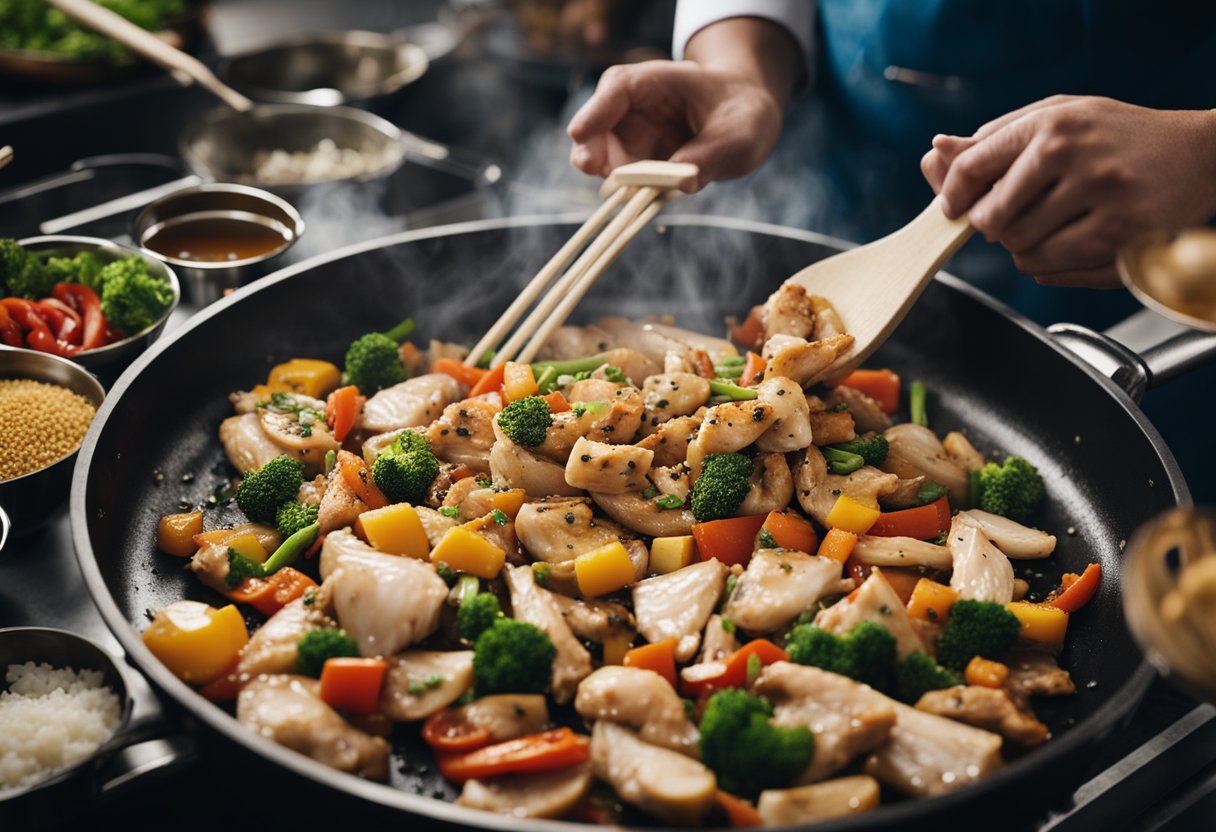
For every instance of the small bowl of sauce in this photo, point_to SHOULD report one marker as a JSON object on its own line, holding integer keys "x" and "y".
{"x": 218, "y": 236}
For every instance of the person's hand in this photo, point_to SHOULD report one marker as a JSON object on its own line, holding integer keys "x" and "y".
{"x": 1065, "y": 182}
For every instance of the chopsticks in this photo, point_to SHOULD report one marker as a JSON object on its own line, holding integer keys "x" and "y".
{"x": 637, "y": 193}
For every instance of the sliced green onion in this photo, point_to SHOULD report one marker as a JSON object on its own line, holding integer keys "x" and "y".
{"x": 728, "y": 372}
{"x": 930, "y": 492}
{"x": 669, "y": 501}
{"x": 732, "y": 361}
{"x": 547, "y": 380}
{"x": 650, "y": 492}
{"x": 917, "y": 404}
{"x": 732, "y": 391}
{"x": 331, "y": 459}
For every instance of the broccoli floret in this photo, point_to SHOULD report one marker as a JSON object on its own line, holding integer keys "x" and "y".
{"x": 477, "y": 613}
{"x": 1012, "y": 490}
{"x": 918, "y": 674}
{"x": 262, "y": 492}
{"x": 373, "y": 361}
{"x": 865, "y": 653}
{"x": 132, "y": 298}
{"x": 83, "y": 268}
{"x": 526, "y": 420}
{"x": 512, "y": 657}
{"x": 976, "y": 628}
{"x": 315, "y": 646}
{"x": 240, "y": 568}
{"x": 721, "y": 487}
{"x": 405, "y": 469}
{"x": 291, "y": 517}
{"x": 22, "y": 274}
{"x": 872, "y": 450}
{"x": 746, "y": 751}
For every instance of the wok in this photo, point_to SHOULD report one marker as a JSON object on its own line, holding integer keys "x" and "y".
{"x": 153, "y": 445}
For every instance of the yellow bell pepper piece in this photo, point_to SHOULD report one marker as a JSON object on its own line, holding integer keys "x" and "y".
{"x": 195, "y": 641}
{"x": 518, "y": 381}
{"x": 931, "y": 601}
{"x": 667, "y": 554}
{"x": 1040, "y": 622}
{"x": 394, "y": 530}
{"x": 603, "y": 570}
{"x": 509, "y": 502}
{"x": 305, "y": 375}
{"x": 247, "y": 545}
{"x": 175, "y": 533}
{"x": 464, "y": 550}
{"x": 851, "y": 516}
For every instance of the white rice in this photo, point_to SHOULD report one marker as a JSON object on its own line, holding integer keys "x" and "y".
{"x": 50, "y": 720}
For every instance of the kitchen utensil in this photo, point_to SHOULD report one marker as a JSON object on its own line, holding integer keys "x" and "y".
{"x": 1015, "y": 388}
{"x": 1173, "y": 274}
{"x": 6, "y": 155}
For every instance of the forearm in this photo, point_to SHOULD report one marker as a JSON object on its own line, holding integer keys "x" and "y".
{"x": 751, "y": 47}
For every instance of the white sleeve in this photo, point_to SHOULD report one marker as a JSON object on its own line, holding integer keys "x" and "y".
{"x": 796, "y": 16}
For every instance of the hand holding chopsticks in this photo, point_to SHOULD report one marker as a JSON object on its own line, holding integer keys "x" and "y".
{"x": 639, "y": 192}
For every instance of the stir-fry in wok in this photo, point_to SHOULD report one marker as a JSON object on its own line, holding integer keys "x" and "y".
{"x": 653, "y": 572}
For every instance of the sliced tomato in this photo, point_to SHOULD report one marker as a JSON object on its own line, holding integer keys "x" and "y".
{"x": 449, "y": 731}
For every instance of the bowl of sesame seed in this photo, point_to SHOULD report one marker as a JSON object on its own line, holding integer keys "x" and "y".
{"x": 46, "y": 406}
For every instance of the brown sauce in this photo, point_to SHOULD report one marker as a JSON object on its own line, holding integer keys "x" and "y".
{"x": 215, "y": 239}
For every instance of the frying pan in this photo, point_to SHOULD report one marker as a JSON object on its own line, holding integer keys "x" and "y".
{"x": 153, "y": 446}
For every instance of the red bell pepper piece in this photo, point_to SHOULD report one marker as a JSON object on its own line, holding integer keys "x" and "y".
{"x": 735, "y": 668}
{"x": 36, "y": 331}
{"x": 1076, "y": 590}
{"x": 10, "y": 330}
{"x": 923, "y": 522}
{"x": 731, "y": 541}
{"x": 85, "y": 301}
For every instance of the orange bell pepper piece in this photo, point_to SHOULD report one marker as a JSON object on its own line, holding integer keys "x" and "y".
{"x": 737, "y": 810}
{"x": 931, "y": 601}
{"x": 838, "y": 545}
{"x": 341, "y": 410}
{"x": 659, "y": 657}
{"x": 491, "y": 382}
{"x": 466, "y": 375}
{"x": 791, "y": 531}
{"x": 271, "y": 594}
{"x": 880, "y": 385}
{"x": 923, "y": 522}
{"x": 548, "y": 751}
{"x": 735, "y": 669}
{"x": 753, "y": 368}
{"x": 1076, "y": 590}
{"x": 557, "y": 402}
{"x": 731, "y": 541}
{"x": 354, "y": 470}
{"x": 350, "y": 684}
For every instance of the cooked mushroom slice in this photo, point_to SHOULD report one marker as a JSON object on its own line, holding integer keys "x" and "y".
{"x": 805, "y": 363}
{"x": 657, "y": 780}
{"x": 340, "y": 506}
{"x": 611, "y": 469}
{"x": 421, "y": 682}
{"x": 634, "y": 511}
{"x": 520, "y": 468}
{"x": 779, "y": 585}
{"x": 962, "y": 452}
{"x": 669, "y": 440}
{"x": 415, "y": 402}
{"x": 534, "y": 605}
{"x": 1034, "y": 672}
{"x": 771, "y": 486}
{"x": 817, "y": 490}
{"x": 550, "y": 794}
{"x": 289, "y": 710}
{"x": 788, "y": 311}
{"x": 464, "y": 433}
{"x": 1011, "y": 537}
{"x": 273, "y": 647}
{"x": 557, "y": 530}
{"x": 876, "y": 601}
{"x": 791, "y": 428}
{"x": 847, "y": 718}
{"x": 246, "y": 445}
{"x": 719, "y": 641}
{"x": 987, "y": 708}
{"x": 822, "y": 801}
{"x": 914, "y": 450}
{"x": 868, "y": 416}
{"x": 678, "y": 604}
{"x": 670, "y": 395}
{"x": 385, "y": 602}
{"x": 901, "y": 551}
{"x": 596, "y": 621}
{"x": 981, "y": 572}
{"x": 928, "y": 755}
{"x": 507, "y": 715}
{"x": 642, "y": 700}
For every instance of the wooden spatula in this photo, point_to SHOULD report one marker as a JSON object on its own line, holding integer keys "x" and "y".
{"x": 873, "y": 286}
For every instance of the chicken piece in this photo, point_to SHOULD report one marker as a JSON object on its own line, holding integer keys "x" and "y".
{"x": 501, "y": 535}
{"x": 904, "y": 494}
{"x": 779, "y": 585}
{"x": 771, "y": 486}
{"x": 633, "y": 511}
{"x": 412, "y": 403}
{"x": 876, "y": 601}
{"x": 550, "y": 794}
{"x": 340, "y": 506}
{"x": 464, "y": 434}
{"x": 507, "y": 715}
{"x": 914, "y": 450}
{"x": 928, "y": 755}
{"x": 665, "y": 783}
{"x": 556, "y": 530}
{"x": 642, "y": 700}
{"x": 987, "y": 708}
{"x": 677, "y": 337}
{"x": 610, "y": 469}
{"x": 535, "y": 605}
{"x": 272, "y": 647}
{"x": 675, "y": 481}
{"x": 422, "y": 682}
{"x": 574, "y": 342}
{"x": 788, "y": 311}
{"x": 636, "y": 365}
{"x": 831, "y": 799}
{"x": 622, "y": 421}
{"x": 313, "y": 491}
{"x": 434, "y": 524}
{"x": 791, "y": 428}
{"x": 296, "y": 423}
{"x": 669, "y": 440}
{"x": 1011, "y": 537}
{"x": 678, "y": 604}
{"x": 652, "y": 340}
{"x": 518, "y": 467}
{"x": 981, "y": 572}
{"x": 561, "y": 436}
{"x": 868, "y": 416}
{"x": 806, "y": 363}
{"x": 244, "y": 401}
{"x": 817, "y": 490}
{"x": 829, "y": 427}
{"x": 246, "y": 445}
{"x": 1034, "y": 672}
{"x": 719, "y": 641}
{"x": 385, "y": 602}
{"x": 596, "y": 621}
{"x": 730, "y": 427}
{"x": 901, "y": 551}
{"x": 847, "y": 718}
{"x": 210, "y": 565}
{"x": 562, "y": 580}
{"x": 670, "y": 395}
{"x": 289, "y": 710}
{"x": 960, "y": 450}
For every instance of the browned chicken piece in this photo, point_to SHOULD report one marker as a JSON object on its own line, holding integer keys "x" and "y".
{"x": 534, "y": 605}
{"x": 464, "y": 434}
{"x": 827, "y": 321}
{"x": 669, "y": 441}
{"x": 868, "y": 416}
{"x": 981, "y": 572}
{"x": 904, "y": 494}
{"x": 928, "y": 755}
{"x": 244, "y": 401}
{"x": 876, "y": 601}
{"x": 246, "y": 445}
{"x": 507, "y": 715}
{"x": 830, "y": 799}
{"x": 1035, "y": 673}
{"x": 210, "y": 565}
{"x": 340, "y": 506}
{"x": 299, "y": 428}
{"x": 1011, "y": 537}
{"x": 791, "y": 428}
{"x": 817, "y": 490}
{"x": 807, "y": 363}
{"x": 272, "y": 647}
{"x": 289, "y": 710}
{"x": 517, "y": 467}
{"x": 590, "y": 390}
{"x": 671, "y": 395}
{"x": 662, "y": 782}
{"x": 914, "y": 450}
{"x": 550, "y": 794}
{"x": 675, "y": 480}
{"x": 434, "y": 524}
{"x": 901, "y": 551}
{"x": 847, "y": 718}
{"x": 385, "y": 602}
{"x": 642, "y": 700}
{"x": 422, "y": 682}
{"x": 962, "y": 452}
{"x": 412, "y": 403}
{"x": 567, "y": 428}
{"x": 789, "y": 311}
{"x": 449, "y": 474}
{"x": 770, "y": 487}
{"x": 633, "y": 511}
{"x": 727, "y": 428}
{"x": 312, "y": 491}
{"x": 611, "y": 469}
{"x": 622, "y": 421}
{"x": 556, "y": 530}
{"x": 987, "y": 708}
{"x": 830, "y": 427}
{"x": 678, "y": 604}
{"x": 596, "y": 621}
{"x": 719, "y": 641}
{"x": 636, "y": 366}
{"x": 778, "y": 586}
